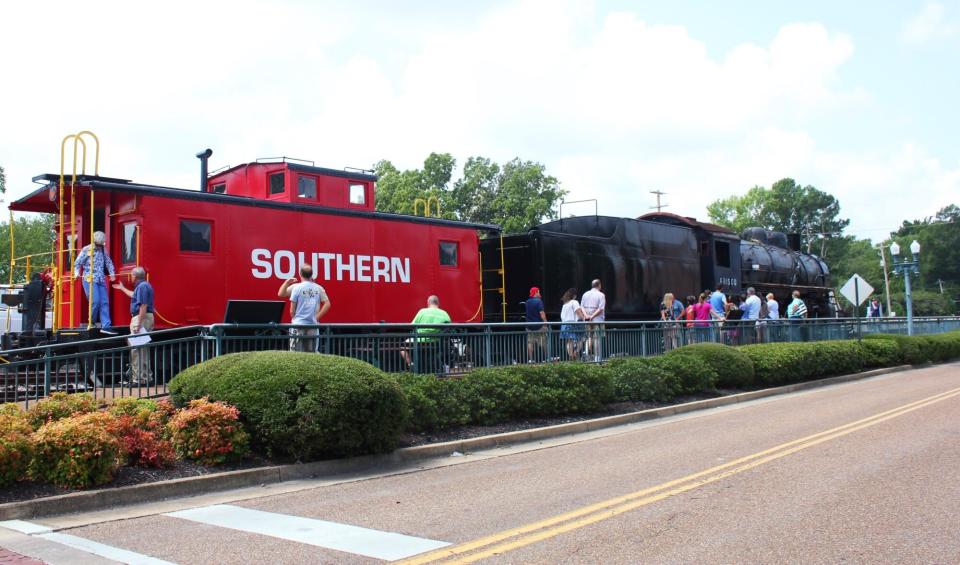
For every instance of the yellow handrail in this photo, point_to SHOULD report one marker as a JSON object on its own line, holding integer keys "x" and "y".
{"x": 90, "y": 293}
{"x": 426, "y": 205}
{"x": 503, "y": 279}
{"x": 58, "y": 280}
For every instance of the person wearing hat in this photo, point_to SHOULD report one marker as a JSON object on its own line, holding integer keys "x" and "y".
{"x": 95, "y": 271}
{"x": 536, "y": 333}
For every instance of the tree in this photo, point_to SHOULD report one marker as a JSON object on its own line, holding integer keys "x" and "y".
{"x": 33, "y": 235}
{"x": 3, "y": 181}
{"x": 516, "y": 195}
{"x": 788, "y": 207}
{"x": 939, "y": 238}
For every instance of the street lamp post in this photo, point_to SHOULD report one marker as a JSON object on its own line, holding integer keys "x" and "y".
{"x": 906, "y": 267}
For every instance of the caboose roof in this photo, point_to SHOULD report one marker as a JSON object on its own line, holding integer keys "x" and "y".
{"x": 301, "y": 168}
{"x": 39, "y": 201}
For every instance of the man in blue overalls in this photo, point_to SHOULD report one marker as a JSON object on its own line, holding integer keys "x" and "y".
{"x": 102, "y": 265}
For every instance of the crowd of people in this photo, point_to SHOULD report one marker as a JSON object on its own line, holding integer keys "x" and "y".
{"x": 740, "y": 317}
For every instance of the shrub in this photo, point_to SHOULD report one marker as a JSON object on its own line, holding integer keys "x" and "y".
{"x": 908, "y": 349}
{"x": 303, "y": 406}
{"x": 498, "y": 394}
{"x": 880, "y": 352}
{"x": 141, "y": 445}
{"x": 433, "y": 403}
{"x": 209, "y": 432}
{"x": 148, "y": 413}
{"x": 61, "y": 405}
{"x": 780, "y": 363}
{"x": 836, "y": 358}
{"x": 16, "y": 449}
{"x": 733, "y": 367}
{"x": 642, "y": 379}
{"x": 78, "y": 451}
{"x": 695, "y": 374}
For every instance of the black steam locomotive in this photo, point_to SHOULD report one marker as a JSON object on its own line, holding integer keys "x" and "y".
{"x": 638, "y": 260}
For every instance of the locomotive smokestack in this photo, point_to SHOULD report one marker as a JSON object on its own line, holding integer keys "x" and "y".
{"x": 203, "y": 156}
{"x": 793, "y": 241}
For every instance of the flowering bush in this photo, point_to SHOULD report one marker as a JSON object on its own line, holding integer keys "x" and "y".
{"x": 16, "y": 449}
{"x": 142, "y": 445}
{"x": 61, "y": 405}
{"x": 209, "y": 432}
{"x": 77, "y": 451}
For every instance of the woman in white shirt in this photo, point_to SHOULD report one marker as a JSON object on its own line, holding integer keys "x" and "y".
{"x": 571, "y": 331}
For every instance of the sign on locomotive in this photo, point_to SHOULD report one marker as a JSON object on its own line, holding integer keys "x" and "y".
{"x": 249, "y": 227}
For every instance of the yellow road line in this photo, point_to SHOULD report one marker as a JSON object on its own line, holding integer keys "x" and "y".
{"x": 556, "y": 525}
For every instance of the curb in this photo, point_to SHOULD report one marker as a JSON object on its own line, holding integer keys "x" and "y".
{"x": 85, "y": 501}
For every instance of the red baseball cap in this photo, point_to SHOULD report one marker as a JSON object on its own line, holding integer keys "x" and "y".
{"x": 534, "y": 290}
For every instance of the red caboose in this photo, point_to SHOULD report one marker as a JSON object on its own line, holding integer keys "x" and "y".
{"x": 249, "y": 230}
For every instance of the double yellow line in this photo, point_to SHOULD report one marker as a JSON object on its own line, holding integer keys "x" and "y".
{"x": 509, "y": 540}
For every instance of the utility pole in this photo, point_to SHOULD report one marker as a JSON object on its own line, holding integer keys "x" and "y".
{"x": 886, "y": 277}
{"x": 659, "y": 194}
{"x": 940, "y": 282}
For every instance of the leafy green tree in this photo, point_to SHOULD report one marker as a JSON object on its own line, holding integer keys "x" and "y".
{"x": 32, "y": 235}
{"x": 939, "y": 239}
{"x": 516, "y": 195}
{"x": 788, "y": 207}
{"x": 856, "y": 256}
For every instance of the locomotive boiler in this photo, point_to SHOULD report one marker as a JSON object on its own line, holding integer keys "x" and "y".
{"x": 639, "y": 260}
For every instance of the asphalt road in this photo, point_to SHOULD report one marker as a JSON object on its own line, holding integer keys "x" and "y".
{"x": 864, "y": 472}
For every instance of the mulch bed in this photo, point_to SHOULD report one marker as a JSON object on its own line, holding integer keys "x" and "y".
{"x": 126, "y": 476}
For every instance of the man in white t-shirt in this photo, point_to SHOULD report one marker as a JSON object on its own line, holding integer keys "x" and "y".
{"x": 308, "y": 303}
{"x": 594, "y": 304}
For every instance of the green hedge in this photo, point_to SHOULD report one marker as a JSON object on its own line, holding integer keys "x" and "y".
{"x": 302, "y": 406}
{"x": 499, "y": 394}
{"x": 642, "y": 379}
{"x": 307, "y": 406}
{"x": 919, "y": 349}
{"x": 734, "y": 368}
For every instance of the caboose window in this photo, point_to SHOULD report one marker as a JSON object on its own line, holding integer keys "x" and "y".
{"x": 276, "y": 183}
{"x": 220, "y": 188}
{"x": 358, "y": 194}
{"x": 722, "y": 249}
{"x": 307, "y": 187}
{"x": 128, "y": 252}
{"x": 195, "y": 236}
{"x": 449, "y": 254}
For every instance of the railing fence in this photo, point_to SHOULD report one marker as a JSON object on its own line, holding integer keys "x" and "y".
{"x": 111, "y": 367}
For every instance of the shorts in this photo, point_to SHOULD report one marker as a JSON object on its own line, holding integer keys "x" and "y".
{"x": 537, "y": 337}
{"x": 571, "y": 331}
{"x": 304, "y": 339}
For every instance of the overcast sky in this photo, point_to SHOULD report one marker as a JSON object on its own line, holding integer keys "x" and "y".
{"x": 700, "y": 100}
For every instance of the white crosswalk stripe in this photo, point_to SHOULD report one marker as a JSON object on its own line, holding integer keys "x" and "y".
{"x": 320, "y": 533}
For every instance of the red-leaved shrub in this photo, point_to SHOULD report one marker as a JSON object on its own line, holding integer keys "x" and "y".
{"x": 142, "y": 445}
{"x": 61, "y": 405}
{"x": 78, "y": 451}
{"x": 209, "y": 432}
{"x": 16, "y": 449}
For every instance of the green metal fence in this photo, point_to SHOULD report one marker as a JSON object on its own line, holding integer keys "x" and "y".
{"x": 111, "y": 367}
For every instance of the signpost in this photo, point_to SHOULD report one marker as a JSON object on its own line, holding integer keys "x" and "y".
{"x": 857, "y": 291}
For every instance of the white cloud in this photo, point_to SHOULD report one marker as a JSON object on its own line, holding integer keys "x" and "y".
{"x": 613, "y": 104}
{"x": 931, "y": 24}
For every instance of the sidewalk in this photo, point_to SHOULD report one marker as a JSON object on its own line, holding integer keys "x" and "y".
{"x": 8, "y": 557}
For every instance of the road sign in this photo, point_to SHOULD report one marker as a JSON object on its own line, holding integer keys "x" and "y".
{"x": 856, "y": 290}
